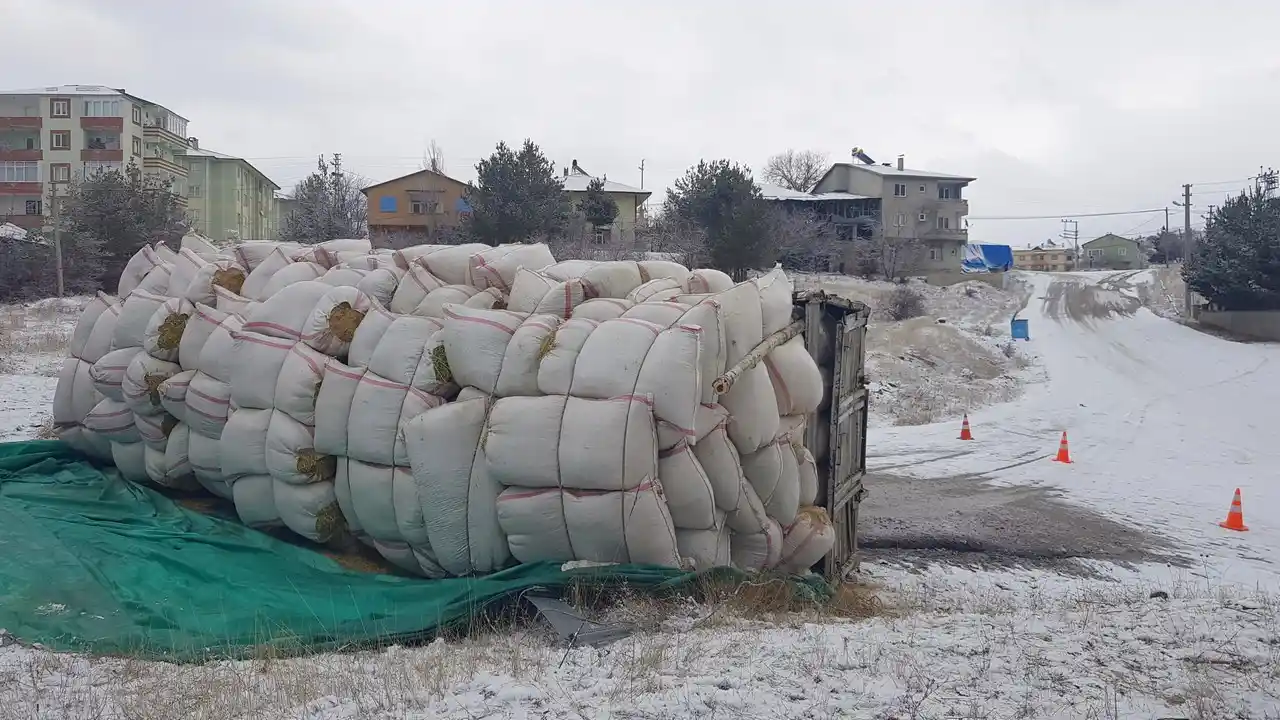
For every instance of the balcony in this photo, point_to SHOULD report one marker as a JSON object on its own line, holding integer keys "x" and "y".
{"x": 155, "y": 162}
{"x": 20, "y": 123}
{"x": 945, "y": 234}
{"x": 114, "y": 124}
{"x": 948, "y": 205}
{"x": 102, "y": 155}
{"x": 22, "y": 188}
{"x": 157, "y": 131}
{"x": 21, "y": 155}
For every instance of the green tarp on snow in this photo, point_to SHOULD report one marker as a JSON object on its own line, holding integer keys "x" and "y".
{"x": 91, "y": 562}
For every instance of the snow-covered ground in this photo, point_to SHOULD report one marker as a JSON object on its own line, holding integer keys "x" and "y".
{"x": 33, "y": 343}
{"x": 1164, "y": 423}
{"x": 955, "y": 358}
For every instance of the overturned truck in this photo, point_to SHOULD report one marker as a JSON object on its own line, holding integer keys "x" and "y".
{"x": 463, "y": 408}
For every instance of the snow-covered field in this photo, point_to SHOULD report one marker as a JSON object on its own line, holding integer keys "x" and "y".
{"x": 1164, "y": 423}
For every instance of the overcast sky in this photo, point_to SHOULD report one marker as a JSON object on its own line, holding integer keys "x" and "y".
{"x": 1057, "y": 107}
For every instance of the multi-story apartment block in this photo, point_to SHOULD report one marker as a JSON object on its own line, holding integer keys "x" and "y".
{"x": 227, "y": 197}
{"x": 914, "y": 204}
{"x": 51, "y": 135}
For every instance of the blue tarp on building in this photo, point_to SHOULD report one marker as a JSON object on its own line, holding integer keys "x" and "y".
{"x": 987, "y": 258}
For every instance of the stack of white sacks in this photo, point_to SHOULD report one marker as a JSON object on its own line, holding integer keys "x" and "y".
{"x": 459, "y": 408}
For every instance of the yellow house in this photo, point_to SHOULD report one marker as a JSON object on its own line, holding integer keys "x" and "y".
{"x": 630, "y": 201}
{"x": 1045, "y": 258}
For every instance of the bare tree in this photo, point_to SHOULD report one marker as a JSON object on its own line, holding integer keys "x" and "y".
{"x": 796, "y": 170}
{"x": 805, "y": 241}
{"x": 890, "y": 258}
{"x": 684, "y": 241}
{"x": 433, "y": 158}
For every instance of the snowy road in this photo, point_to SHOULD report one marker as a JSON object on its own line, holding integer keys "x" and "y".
{"x": 1164, "y": 423}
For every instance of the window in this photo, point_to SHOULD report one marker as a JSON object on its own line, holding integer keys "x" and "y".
{"x": 195, "y": 217}
{"x": 60, "y": 107}
{"x": 1122, "y": 251}
{"x": 387, "y": 204}
{"x": 935, "y": 254}
{"x": 59, "y": 139}
{"x": 944, "y": 223}
{"x": 417, "y": 207}
{"x": 31, "y": 143}
{"x": 944, "y": 192}
{"x": 20, "y": 171}
{"x": 174, "y": 124}
{"x": 921, "y": 188}
{"x": 33, "y": 207}
{"x": 902, "y": 220}
{"x": 922, "y": 217}
{"x": 194, "y": 191}
{"x": 1093, "y": 253}
{"x": 60, "y": 172}
{"x": 899, "y": 190}
{"x": 101, "y": 108}
{"x": 137, "y": 114}
{"x": 602, "y": 236}
{"x": 137, "y": 147}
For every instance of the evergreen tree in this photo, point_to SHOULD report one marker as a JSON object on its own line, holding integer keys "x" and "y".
{"x": 1236, "y": 264}
{"x": 597, "y": 207}
{"x": 107, "y": 217}
{"x": 721, "y": 199}
{"x": 329, "y": 205}
{"x": 516, "y": 197}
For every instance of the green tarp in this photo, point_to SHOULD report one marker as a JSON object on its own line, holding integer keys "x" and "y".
{"x": 91, "y": 562}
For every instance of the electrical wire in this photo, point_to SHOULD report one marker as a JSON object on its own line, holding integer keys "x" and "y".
{"x": 1065, "y": 216}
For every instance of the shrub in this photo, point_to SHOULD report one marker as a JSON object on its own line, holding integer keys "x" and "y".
{"x": 904, "y": 303}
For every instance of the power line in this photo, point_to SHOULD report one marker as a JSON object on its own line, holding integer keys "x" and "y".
{"x": 1057, "y": 216}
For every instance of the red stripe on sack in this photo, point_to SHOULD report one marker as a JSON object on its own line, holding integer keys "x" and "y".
{"x": 388, "y": 384}
{"x": 643, "y": 399}
{"x": 342, "y": 371}
{"x": 482, "y": 321}
{"x": 682, "y": 430}
{"x": 117, "y": 413}
{"x": 652, "y": 327}
{"x": 539, "y": 325}
{"x": 207, "y": 318}
{"x": 251, "y": 326}
{"x": 210, "y": 398}
{"x": 316, "y": 369}
{"x": 198, "y": 411}
{"x": 496, "y": 280}
{"x": 683, "y": 446}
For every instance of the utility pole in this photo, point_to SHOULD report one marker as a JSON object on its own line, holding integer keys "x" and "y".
{"x": 1187, "y": 242}
{"x": 55, "y": 210}
{"x": 1072, "y": 238}
{"x": 1166, "y": 218}
{"x": 641, "y": 173}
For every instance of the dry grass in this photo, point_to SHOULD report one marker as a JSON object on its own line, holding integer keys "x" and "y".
{"x": 937, "y": 651}
{"x": 36, "y": 329}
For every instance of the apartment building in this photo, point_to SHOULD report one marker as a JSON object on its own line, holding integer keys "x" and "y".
{"x": 50, "y": 135}
{"x": 914, "y": 204}
{"x": 228, "y": 199}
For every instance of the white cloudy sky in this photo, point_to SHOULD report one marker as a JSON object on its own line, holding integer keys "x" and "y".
{"x": 1056, "y": 106}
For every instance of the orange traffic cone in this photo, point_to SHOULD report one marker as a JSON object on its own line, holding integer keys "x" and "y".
{"x": 964, "y": 429}
{"x": 1235, "y": 516}
{"x": 1064, "y": 455}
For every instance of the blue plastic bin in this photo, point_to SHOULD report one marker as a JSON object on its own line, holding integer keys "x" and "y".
{"x": 1020, "y": 329}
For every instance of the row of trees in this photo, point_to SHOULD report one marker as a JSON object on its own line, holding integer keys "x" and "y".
{"x": 104, "y": 219}
{"x": 712, "y": 215}
{"x": 1235, "y": 264}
